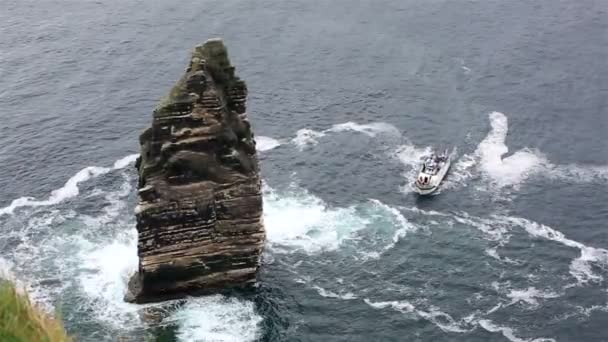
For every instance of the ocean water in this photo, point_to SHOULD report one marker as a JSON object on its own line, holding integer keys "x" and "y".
{"x": 345, "y": 97}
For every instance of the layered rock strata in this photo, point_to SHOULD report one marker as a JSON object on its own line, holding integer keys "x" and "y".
{"x": 199, "y": 217}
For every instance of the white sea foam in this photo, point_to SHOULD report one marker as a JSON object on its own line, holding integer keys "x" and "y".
{"x": 372, "y": 129}
{"x": 69, "y": 189}
{"x": 588, "y": 311}
{"x": 493, "y": 309}
{"x": 460, "y": 172}
{"x": 426, "y": 212}
{"x": 399, "y": 305}
{"x": 581, "y": 267}
{"x": 303, "y": 221}
{"x": 492, "y": 252}
{"x": 114, "y": 207}
{"x": 444, "y": 321}
{"x": 216, "y": 318}
{"x": 411, "y": 155}
{"x": 329, "y": 294}
{"x": 106, "y": 269}
{"x": 115, "y": 200}
{"x": 487, "y": 160}
{"x": 397, "y": 220}
{"x": 297, "y": 220}
{"x": 498, "y": 228}
{"x": 441, "y": 319}
{"x": 307, "y": 137}
{"x": 530, "y": 296}
{"x": 507, "y": 332}
{"x": 68, "y": 253}
{"x": 6, "y": 269}
{"x": 125, "y": 161}
{"x": 494, "y": 230}
{"x": 518, "y": 167}
{"x": 513, "y": 169}
{"x": 579, "y": 173}
{"x": 72, "y": 255}
{"x": 266, "y": 143}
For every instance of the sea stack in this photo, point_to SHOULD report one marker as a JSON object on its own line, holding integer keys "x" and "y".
{"x": 199, "y": 217}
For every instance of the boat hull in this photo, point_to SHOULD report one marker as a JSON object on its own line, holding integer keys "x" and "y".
{"x": 434, "y": 182}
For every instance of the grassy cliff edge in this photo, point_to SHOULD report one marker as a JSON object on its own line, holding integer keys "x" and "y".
{"x": 22, "y": 321}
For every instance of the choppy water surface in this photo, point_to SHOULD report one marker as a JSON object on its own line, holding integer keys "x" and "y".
{"x": 344, "y": 97}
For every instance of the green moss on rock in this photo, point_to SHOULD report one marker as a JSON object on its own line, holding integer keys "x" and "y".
{"x": 212, "y": 56}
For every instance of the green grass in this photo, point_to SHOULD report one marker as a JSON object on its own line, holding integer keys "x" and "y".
{"x": 22, "y": 321}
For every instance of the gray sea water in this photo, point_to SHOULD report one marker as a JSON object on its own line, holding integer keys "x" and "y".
{"x": 345, "y": 96}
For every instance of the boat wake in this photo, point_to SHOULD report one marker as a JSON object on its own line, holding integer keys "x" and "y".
{"x": 522, "y": 164}
{"x": 84, "y": 251}
{"x": 488, "y": 162}
{"x": 503, "y": 297}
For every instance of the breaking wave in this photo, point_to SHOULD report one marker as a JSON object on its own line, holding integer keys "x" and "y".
{"x": 61, "y": 255}
{"x": 372, "y": 129}
{"x": 308, "y": 137}
{"x": 70, "y": 188}
{"x": 297, "y": 220}
{"x": 216, "y": 318}
{"x": 106, "y": 269}
{"x": 266, "y": 143}
{"x": 104, "y": 273}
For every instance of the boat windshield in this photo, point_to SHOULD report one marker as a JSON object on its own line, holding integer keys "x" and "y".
{"x": 432, "y": 164}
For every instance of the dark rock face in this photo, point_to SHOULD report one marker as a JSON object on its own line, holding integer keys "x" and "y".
{"x": 199, "y": 217}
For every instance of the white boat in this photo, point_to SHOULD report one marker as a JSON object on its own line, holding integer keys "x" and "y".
{"x": 432, "y": 171}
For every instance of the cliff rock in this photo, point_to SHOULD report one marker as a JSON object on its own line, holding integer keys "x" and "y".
{"x": 199, "y": 217}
